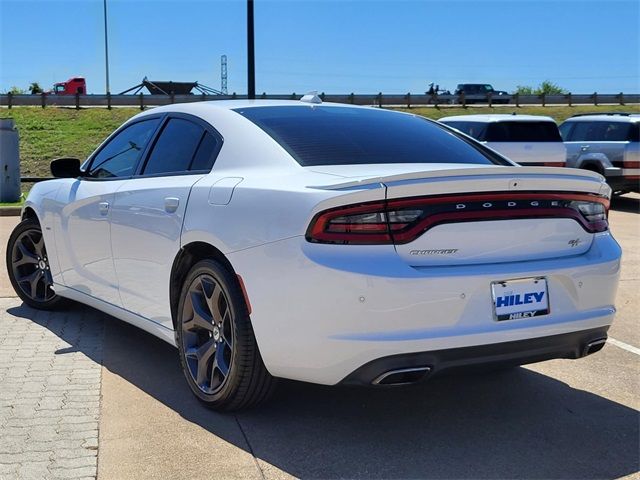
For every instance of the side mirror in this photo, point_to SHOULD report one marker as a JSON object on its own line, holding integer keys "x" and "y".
{"x": 65, "y": 168}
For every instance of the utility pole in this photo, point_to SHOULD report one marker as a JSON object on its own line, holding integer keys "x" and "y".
{"x": 106, "y": 48}
{"x": 251, "y": 57}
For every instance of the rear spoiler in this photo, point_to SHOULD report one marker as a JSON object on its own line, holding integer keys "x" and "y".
{"x": 553, "y": 178}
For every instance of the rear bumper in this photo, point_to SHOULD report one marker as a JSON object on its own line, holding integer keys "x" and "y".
{"x": 520, "y": 352}
{"x": 320, "y": 312}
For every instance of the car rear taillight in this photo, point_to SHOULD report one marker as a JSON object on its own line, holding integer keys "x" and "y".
{"x": 401, "y": 221}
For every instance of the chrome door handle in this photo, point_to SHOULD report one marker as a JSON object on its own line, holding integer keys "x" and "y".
{"x": 584, "y": 148}
{"x": 171, "y": 204}
{"x": 104, "y": 208}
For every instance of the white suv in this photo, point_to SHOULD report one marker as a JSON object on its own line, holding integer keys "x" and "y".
{"x": 526, "y": 139}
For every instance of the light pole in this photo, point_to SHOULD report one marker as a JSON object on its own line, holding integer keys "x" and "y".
{"x": 251, "y": 57}
{"x": 106, "y": 48}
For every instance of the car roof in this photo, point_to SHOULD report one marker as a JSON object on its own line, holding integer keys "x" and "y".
{"x": 490, "y": 118}
{"x": 238, "y": 153}
{"x": 610, "y": 117}
{"x": 238, "y": 104}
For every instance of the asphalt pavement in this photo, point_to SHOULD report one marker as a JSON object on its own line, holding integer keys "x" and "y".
{"x": 557, "y": 419}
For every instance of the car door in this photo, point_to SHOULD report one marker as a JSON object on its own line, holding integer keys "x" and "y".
{"x": 148, "y": 213}
{"x": 83, "y": 233}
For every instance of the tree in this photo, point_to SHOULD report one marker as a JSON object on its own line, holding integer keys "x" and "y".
{"x": 547, "y": 88}
{"x": 35, "y": 88}
{"x": 524, "y": 90}
{"x": 16, "y": 91}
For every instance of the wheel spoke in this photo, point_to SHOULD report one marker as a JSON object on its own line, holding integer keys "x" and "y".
{"x": 28, "y": 258}
{"x": 220, "y": 363}
{"x": 32, "y": 280}
{"x": 38, "y": 245}
{"x": 213, "y": 302}
{"x": 225, "y": 331}
{"x": 203, "y": 355}
{"x": 200, "y": 318}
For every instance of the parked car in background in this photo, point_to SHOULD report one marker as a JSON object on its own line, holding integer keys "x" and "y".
{"x": 526, "y": 139}
{"x": 479, "y": 93}
{"x": 608, "y": 144}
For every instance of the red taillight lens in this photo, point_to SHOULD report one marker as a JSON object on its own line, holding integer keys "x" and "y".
{"x": 359, "y": 224}
{"x": 403, "y": 220}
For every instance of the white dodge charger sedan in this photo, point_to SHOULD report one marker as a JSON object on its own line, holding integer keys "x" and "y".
{"x": 321, "y": 242}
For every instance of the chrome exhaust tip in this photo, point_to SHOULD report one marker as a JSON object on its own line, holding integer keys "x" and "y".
{"x": 402, "y": 376}
{"x": 594, "y": 346}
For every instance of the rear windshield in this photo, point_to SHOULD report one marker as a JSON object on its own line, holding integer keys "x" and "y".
{"x": 323, "y": 135}
{"x": 476, "y": 130}
{"x": 522, "y": 132}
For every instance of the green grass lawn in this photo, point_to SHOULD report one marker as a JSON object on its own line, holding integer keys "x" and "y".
{"x": 49, "y": 133}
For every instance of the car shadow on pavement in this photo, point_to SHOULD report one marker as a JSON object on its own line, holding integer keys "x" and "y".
{"x": 510, "y": 424}
{"x": 623, "y": 203}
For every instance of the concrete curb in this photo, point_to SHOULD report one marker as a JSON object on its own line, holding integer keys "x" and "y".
{"x": 10, "y": 211}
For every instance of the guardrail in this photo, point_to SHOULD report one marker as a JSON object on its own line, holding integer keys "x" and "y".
{"x": 381, "y": 100}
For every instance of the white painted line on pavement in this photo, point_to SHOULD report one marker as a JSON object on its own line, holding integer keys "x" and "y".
{"x": 624, "y": 346}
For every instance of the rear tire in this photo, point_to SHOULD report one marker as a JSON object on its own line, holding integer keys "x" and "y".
{"x": 219, "y": 355}
{"x": 28, "y": 267}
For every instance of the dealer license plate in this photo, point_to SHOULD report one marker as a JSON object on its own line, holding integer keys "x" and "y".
{"x": 521, "y": 298}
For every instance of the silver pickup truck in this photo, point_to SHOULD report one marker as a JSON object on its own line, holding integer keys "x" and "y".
{"x": 608, "y": 144}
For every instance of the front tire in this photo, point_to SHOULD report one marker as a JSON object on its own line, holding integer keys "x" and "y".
{"x": 218, "y": 351}
{"x": 28, "y": 267}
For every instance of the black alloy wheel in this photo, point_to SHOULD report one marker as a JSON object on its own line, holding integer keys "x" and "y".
{"x": 218, "y": 351}
{"x": 28, "y": 266}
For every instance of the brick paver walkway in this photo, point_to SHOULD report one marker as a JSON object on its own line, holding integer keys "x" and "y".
{"x": 50, "y": 372}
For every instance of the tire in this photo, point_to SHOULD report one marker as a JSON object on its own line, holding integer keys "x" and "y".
{"x": 219, "y": 355}
{"x": 28, "y": 267}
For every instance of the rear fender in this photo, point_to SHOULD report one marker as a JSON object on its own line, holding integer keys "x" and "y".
{"x": 599, "y": 160}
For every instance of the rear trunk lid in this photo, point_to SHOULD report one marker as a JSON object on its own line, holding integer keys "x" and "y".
{"x": 458, "y": 215}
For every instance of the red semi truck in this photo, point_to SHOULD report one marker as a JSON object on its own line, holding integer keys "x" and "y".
{"x": 70, "y": 87}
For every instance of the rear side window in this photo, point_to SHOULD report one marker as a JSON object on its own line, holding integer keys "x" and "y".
{"x": 603, "y": 132}
{"x": 175, "y": 148}
{"x": 205, "y": 154}
{"x": 476, "y": 130}
{"x": 523, "y": 132}
{"x": 323, "y": 135}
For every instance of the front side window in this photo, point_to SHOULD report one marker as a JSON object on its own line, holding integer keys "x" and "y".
{"x": 529, "y": 132}
{"x": 120, "y": 156}
{"x": 324, "y": 135}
